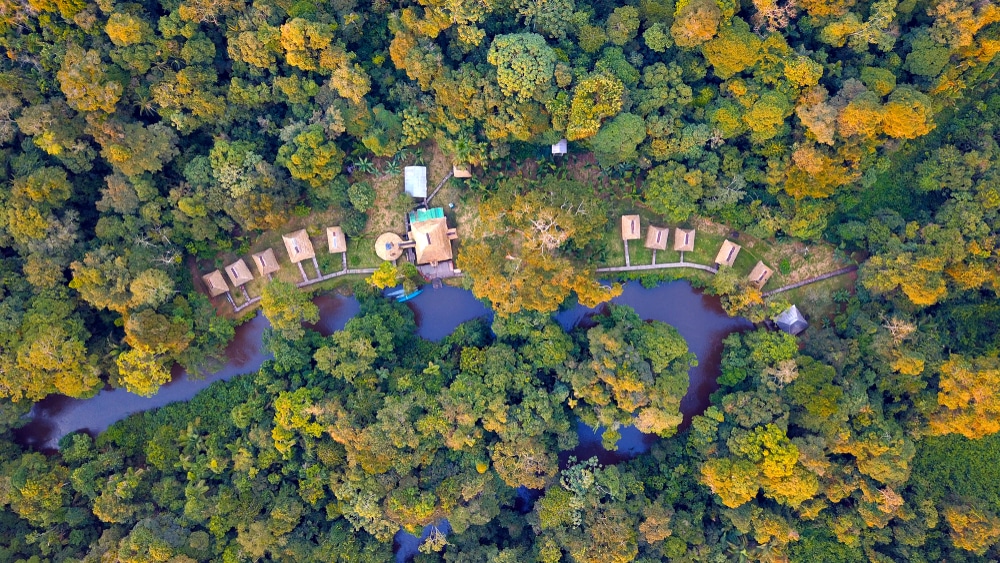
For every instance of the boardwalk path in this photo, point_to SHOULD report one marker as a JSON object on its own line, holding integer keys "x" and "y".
{"x": 808, "y": 281}
{"x": 643, "y": 267}
{"x": 310, "y": 282}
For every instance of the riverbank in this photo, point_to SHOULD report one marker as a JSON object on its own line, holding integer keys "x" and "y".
{"x": 699, "y": 318}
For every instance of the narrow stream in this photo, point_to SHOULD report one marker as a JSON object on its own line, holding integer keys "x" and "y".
{"x": 699, "y": 318}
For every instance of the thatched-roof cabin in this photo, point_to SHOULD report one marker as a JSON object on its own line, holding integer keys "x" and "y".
{"x": 266, "y": 262}
{"x": 299, "y": 246}
{"x": 415, "y": 181}
{"x": 791, "y": 321}
{"x": 631, "y": 229}
{"x": 238, "y": 273}
{"x": 461, "y": 171}
{"x": 432, "y": 240}
{"x": 656, "y": 238}
{"x": 727, "y": 254}
{"x": 562, "y": 147}
{"x": 684, "y": 240}
{"x": 335, "y": 240}
{"x": 760, "y": 274}
{"x": 215, "y": 283}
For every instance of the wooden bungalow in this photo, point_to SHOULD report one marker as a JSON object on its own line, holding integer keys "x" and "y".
{"x": 215, "y": 283}
{"x": 727, "y": 254}
{"x": 299, "y": 246}
{"x": 760, "y": 274}
{"x": 238, "y": 273}
{"x": 684, "y": 240}
{"x": 266, "y": 262}
{"x": 432, "y": 240}
{"x": 631, "y": 229}
{"x": 461, "y": 171}
{"x": 656, "y": 238}
{"x": 335, "y": 240}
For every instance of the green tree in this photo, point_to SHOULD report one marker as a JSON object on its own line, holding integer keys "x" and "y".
{"x": 286, "y": 308}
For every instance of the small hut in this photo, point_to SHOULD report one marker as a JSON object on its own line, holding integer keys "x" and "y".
{"x": 683, "y": 240}
{"x": 727, "y": 254}
{"x": 299, "y": 246}
{"x": 560, "y": 148}
{"x": 656, "y": 238}
{"x": 461, "y": 171}
{"x": 630, "y": 227}
{"x": 238, "y": 273}
{"x": 791, "y": 321}
{"x": 760, "y": 274}
{"x": 266, "y": 262}
{"x": 415, "y": 181}
{"x": 336, "y": 240}
{"x": 216, "y": 283}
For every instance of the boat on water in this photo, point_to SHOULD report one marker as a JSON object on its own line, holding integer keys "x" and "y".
{"x": 399, "y": 294}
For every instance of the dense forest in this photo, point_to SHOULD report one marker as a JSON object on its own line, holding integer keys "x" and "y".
{"x": 140, "y": 139}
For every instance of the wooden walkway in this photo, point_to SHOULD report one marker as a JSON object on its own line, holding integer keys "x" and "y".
{"x": 643, "y": 267}
{"x": 337, "y": 275}
{"x": 808, "y": 281}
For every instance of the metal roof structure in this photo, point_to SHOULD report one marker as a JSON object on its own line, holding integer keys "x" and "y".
{"x": 791, "y": 321}
{"x": 415, "y": 181}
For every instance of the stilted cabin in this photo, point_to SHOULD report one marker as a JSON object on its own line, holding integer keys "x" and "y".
{"x": 336, "y": 240}
{"x": 238, "y": 273}
{"x": 299, "y": 246}
{"x": 215, "y": 283}
{"x": 266, "y": 262}
{"x": 684, "y": 240}
{"x": 656, "y": 238}
{"x": 760, "y": 274}
{"x": 631, "y": 229}
{"x": 727, "y": 254}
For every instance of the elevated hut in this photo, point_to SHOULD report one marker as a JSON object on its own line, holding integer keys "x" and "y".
{"x": 299, "y": 246}
{"x": 461, "y": 171}
{"x": 335, "y": 240}
{"x": 683, "y": 240}
{"x": 791, "y": 321}
{"x": 215, "y": 283}
{"x": 238, "y": 273}
{"x": 656, "y": 238}
{"x": 266, "y": 262}
{"x": 415, "y": 181}
{"x": 728, "y": 253}
{"x": 760, "y": 274}
{"x": 631, "y": 229}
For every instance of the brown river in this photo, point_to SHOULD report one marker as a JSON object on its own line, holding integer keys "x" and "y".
{"x": 699, "y": 319}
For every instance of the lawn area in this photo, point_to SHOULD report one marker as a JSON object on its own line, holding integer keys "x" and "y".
{"x": 816, "y": 300}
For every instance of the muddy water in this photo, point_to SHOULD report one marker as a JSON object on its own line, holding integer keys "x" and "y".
{"x": 698, "y": 318}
